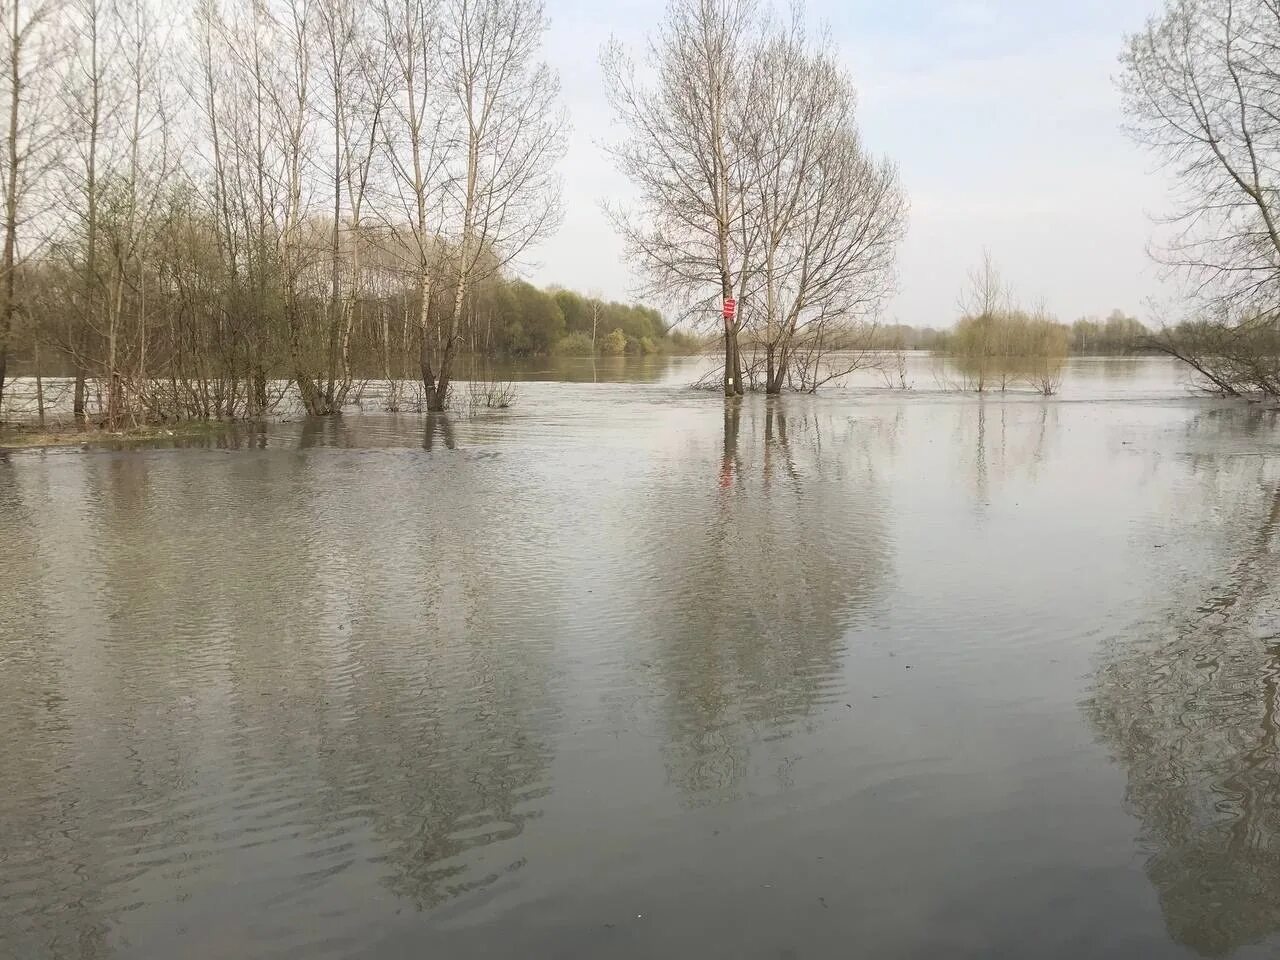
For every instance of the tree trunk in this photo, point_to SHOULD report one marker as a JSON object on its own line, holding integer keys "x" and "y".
{"x": 728, "y": 359}
{"x": 350, "y": 315}
{"x": 78, "y": 395}
{"x": 386, "y": 344}
{"x": 113, "y": 375}
{"x": 424, "y": 322}
{"x": 310, "y": 392}
{"x": 39, "y": 381}
{"x": 91, "y": 224}
{"x": 738, "y": 388}
{"x": 259, "y": 388}
{"x": 428, "y": 375}
{"x": 7, "y": 287}
{"x": 779, "y": 361}
{"x": 438, "y": 399}
{"x": 336, "y": 308}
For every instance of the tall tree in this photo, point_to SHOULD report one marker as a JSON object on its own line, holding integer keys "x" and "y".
{"x": 32, "y": 54}
{"x": 753, "y": 183}
{"x": 828, "y": 217}
{"x": 1202, "y": 89}
{"x": 416, "y": 148}
{"x": 502, "y": 193}
{"x": 689, "y": 233}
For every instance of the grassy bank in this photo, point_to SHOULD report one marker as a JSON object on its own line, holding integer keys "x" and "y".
{"x": 32, "y": 436}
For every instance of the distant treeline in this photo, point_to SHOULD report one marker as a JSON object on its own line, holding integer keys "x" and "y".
{"x": 581, "y": 326}
{"x": 1119, "y": 333}
{"x": 513, "y": 318}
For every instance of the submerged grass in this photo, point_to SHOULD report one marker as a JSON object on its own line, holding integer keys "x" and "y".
{"x": 32, "y": 436}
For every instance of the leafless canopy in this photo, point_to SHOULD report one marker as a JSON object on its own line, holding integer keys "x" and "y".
{"x": 229, "y": 193}
{"x": 752, "y": 183}
{"x": 1202, "y": 89}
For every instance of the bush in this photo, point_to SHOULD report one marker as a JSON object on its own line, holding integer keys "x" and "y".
{"x": 615, "y": 344}
{"x": 576, "y": 344}
{"x": 1006, "y": 347}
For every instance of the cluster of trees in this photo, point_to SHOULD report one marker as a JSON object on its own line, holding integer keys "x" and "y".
{"x": 1118, "y": 333}
{"x": 512, "y": 318}
{"x": 752, "y": 184}
{"x": 997, "y": 343}
{"x": 1201, "y": 85}
{"x": 595, "y": 326}
{"x": 903, "y": 336}
{"x": 1003, "y": 348}
{"x": 202, "y": 208}
{"x": 198, "y": 203}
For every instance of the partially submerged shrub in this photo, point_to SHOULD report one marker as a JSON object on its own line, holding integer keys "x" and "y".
{"x": 615, "y": 344}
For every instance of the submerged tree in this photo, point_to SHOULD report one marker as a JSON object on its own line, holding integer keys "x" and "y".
{"x": 502, "y": 193}
{"x": 689, "y": 233}
{"x": 1202, "y": 86}
{"x": 209, "y": 208}
{"x": 997, "y": 344}
{"x": 31, "y": 58}
{"x": 827, "y": 216}
{"x": 753, "y": 183}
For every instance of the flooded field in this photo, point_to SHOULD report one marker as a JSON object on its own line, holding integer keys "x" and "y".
{"x": 625, "y": 671}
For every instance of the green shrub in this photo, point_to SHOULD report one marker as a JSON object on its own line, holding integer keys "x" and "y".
{"x": 577, "y": 344}
{"x": 615, "y": 344}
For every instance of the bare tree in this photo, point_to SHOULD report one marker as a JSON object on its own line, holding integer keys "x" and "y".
{"x": 1202, "y": 89}
{"x": 291, "y": 99}
{"x": 417, "y": 151}
{"x": 502, "y": 193}
{"x": 86, "y": 95}
{"x": 244, "y": 198}
{"x": 595, "y": 318}
{"x": 754, "y": 184}
{"x": 140, "y": 171}
{"x": 827, "y": 216}
{"x": 248, "y": 208}
{"x": 31, "y": 57}
{"x": 357, "y": 93}
{"x": 689, "y": 232}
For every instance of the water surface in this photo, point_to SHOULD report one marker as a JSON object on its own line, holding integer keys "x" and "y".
{"x": 624, "y": 671}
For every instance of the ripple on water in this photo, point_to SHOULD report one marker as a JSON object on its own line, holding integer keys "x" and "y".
{"x": 393, "y": 673}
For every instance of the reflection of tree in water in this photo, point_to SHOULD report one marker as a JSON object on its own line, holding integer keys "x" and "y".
{"x": 766, "y": 558}
{"x": 997, "y": 439}
{"x": 254, "y": 656}
{"x": 37, "y": 851}
{"x": 438, "y": 431}
{"x": 1191, "y": 712}
{"x": 434, "y": 683}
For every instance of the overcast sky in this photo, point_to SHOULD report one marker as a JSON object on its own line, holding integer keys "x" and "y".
{"x": 1002, "y": 115}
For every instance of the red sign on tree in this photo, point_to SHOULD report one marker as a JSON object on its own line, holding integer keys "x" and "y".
{"x": 730, "y": 307}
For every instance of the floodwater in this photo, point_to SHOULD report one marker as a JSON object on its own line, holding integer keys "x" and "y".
{"x": 627, "y": 672}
